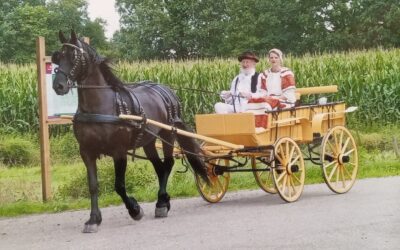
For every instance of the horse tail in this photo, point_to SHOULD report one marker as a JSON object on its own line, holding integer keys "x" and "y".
{"x": 191, "y": 150}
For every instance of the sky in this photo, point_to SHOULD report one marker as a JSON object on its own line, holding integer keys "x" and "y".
{"x": 106, "y": 10}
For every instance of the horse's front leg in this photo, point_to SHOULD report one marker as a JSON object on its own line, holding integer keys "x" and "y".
{"x": 95, "y": 214}
{"x": 135, "y": 211}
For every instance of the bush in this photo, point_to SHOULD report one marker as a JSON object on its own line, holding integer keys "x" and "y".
{"x": 379, "y": 140}
{"x": 139, "y": 176}
{"x": 64, "y": 148}
{"x": 373, "y": 141}
{"x": 15, "y": 150}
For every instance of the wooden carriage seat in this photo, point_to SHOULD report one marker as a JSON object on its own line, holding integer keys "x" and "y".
{"x": 256, "y": 129}
{"x": 238, "y": 128}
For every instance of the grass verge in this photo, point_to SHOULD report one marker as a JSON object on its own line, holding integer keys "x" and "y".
{"x": 20, "y": 188}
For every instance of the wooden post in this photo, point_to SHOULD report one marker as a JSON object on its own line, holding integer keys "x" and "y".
{"x": 43, "y": 125}
{"x": 44, "y": 120}
{"x": 396, "y": 148}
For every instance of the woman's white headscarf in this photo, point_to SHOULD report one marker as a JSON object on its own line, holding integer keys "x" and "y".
{"x": 277, "y": 52}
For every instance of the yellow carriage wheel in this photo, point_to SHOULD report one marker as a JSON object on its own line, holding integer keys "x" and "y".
{"x": 216, "y": 189}
{"x": 289, "y": 170}
{"x": 264, "y": 179}
{"x": 339, "y": 159}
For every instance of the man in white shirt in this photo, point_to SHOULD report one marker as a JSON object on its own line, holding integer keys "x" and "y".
{"x": 245, "y": 86}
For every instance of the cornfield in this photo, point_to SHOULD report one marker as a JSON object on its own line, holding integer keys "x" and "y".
{"x": 18, "y": 98}
{"x": 367, "y": 79}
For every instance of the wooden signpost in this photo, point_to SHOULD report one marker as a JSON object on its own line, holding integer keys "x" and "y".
{"x": 44, "y": 70}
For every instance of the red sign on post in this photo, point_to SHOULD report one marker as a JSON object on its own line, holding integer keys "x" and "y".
{"x": 48, "y": 68}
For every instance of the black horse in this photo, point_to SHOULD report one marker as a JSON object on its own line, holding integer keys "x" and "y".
{"x": 99, "y": 131}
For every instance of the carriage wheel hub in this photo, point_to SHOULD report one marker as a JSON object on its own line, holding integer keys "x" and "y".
{"x": 343, "y": 159}
{"x": 288, "y": 169}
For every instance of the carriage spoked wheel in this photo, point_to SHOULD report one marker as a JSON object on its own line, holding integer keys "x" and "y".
{"x": 219, "y": 182}
{"x": 289, "y": 170}
{"x": 264, "y": 179}
{"x": 339, "y": 159}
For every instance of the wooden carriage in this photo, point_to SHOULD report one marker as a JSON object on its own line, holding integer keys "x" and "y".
{"x": 278, "y": 149}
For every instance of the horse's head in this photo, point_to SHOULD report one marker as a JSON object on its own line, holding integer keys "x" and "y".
{"x": 72, "y": 61}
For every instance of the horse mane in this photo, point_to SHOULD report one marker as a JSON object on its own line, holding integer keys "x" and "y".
{"x": 104, "y": 65}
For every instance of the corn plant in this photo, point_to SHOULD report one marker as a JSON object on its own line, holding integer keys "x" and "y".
{"x": 18, "y": 98}
{"x": 367, "y": 79}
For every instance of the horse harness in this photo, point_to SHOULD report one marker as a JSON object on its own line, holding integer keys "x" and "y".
{"x": 79, "y": 67}
{"x": 169, "y": 100}
{"x": 79, "y": 73}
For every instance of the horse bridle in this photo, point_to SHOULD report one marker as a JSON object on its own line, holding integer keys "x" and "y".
{"x": 79, "y": 69}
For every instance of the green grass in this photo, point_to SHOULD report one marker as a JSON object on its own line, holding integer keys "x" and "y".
{"x": 20, "y": 186}
{"x": 16, "y": 200}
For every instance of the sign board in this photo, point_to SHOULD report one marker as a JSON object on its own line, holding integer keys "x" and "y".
{"x": 50, "y": 105}
{"x": 57, "y": 104}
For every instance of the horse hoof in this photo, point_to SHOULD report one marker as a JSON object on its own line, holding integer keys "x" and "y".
{"x": 90, "y": 228}
{"x": 139, "y": 215}
{"x": 161, "y": 212}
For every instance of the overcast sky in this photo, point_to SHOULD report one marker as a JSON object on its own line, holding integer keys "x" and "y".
{"x": 106, "y": 10}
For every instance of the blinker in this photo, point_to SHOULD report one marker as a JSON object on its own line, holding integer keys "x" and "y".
{"x": 55, "y": 57}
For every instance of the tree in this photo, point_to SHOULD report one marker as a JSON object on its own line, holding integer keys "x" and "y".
{"x": 360, "y": 24}
{"x": 18, "y": 31}
{"x": 217, "y": 28}
{"x": 170, "y": 28}
{"x": 65, "y": 15}
{"x": 96, "y": 32}
{"x": 22, "y": 21}
{"x": 154, "y": 29}
{"x": 377, "y": 23}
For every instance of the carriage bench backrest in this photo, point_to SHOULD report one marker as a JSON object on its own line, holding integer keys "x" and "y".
{"x": 316, "y": 90}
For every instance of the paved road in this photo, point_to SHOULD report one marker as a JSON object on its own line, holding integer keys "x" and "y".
{"x": 368, "y": 217}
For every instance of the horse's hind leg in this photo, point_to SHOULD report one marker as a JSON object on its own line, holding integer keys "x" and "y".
{"x": 95, "y": 214}
{"x": 135, "y": 211}
{"x": 163, "y": 169}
